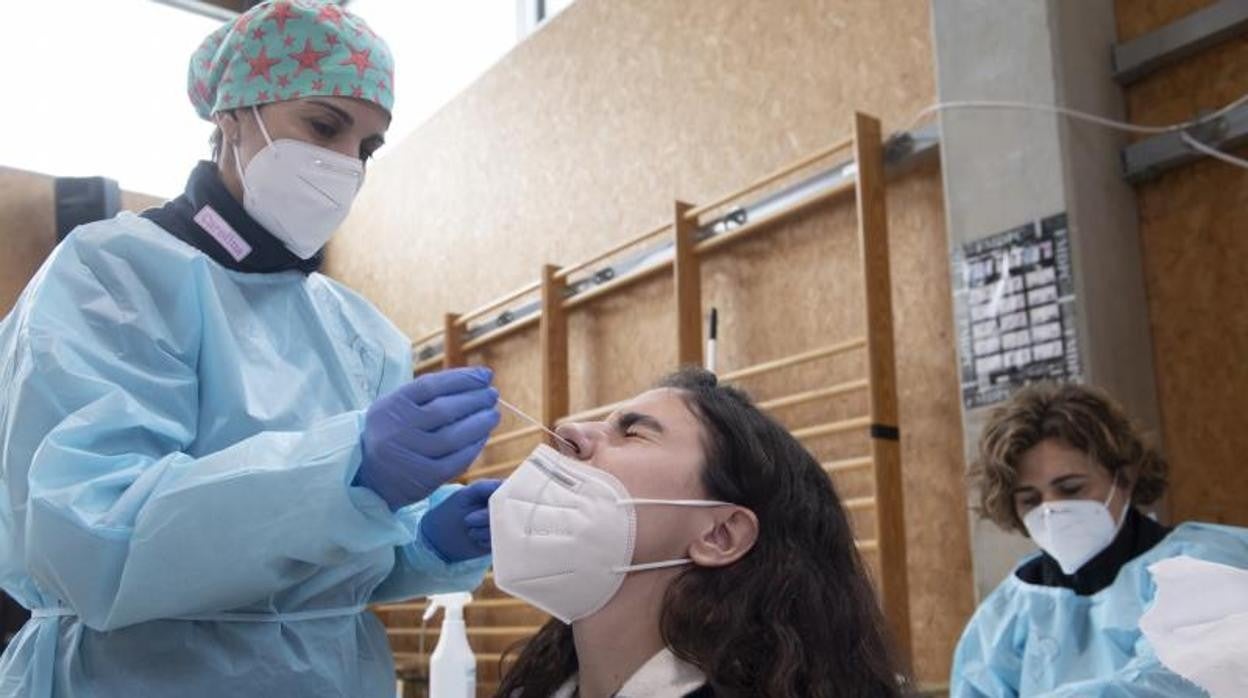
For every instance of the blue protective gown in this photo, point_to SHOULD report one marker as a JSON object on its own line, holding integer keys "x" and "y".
{"x": 1032, "y": 640}
{"x": 177, "y": 443}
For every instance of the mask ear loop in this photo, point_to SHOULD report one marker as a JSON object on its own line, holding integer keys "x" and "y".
{"x": 1113, "y": 488}
{"x": 704, "y": 503}
{"x": 256, "y": 112}
{"x": 645, "y": 566}
{"x": 238, "y": 161}
{"x": 238, "y": 165}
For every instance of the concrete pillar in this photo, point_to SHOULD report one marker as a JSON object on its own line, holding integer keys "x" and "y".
{"x": 1003, "y": 169}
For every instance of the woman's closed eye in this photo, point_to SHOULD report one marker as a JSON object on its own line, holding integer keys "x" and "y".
{"x": 324, "y": 129}
{"x": 633, "y": 425}
{"x": 1068, "y": 487}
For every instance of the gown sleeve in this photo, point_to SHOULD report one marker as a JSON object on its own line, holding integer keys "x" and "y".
{"x": 988, "y": 660}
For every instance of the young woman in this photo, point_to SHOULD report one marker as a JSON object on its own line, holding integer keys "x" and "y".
{"x": 209, "y": 450}
{"x": 1064, "y": 465}
{"x": 740, "y": 579}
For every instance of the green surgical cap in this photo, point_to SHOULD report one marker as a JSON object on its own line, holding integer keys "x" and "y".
{"x": 278, "y": 51}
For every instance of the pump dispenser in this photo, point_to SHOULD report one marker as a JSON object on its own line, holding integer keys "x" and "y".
{"x": 453, "y": 666}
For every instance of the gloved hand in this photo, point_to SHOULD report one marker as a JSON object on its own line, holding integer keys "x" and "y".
{"x": 458, "y": 529}
{"x": 426, "y": 433}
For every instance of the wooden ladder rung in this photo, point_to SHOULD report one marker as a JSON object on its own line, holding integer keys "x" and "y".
{"x": 498, "y": 303}
{"x": 512, "y": 436}
{"x": 827, "y": 428}
{"x": 858, "y": 503}
{"x": 794, "y": 360}
{"x": 813, "y": 395}
{"x": 432, "y": 362}
{"x": 508, "y": 602}
{"x": 847, "y": 464}
{"x": 488, "y": 470}
{"x": 408, "y": 659}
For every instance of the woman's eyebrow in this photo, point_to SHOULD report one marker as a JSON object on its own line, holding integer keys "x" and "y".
{"x": 1053, "y": 483}
{"x": 1064, "y": 479}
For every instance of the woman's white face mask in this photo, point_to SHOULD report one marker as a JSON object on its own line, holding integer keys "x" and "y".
{"x": 299, "y": 192}
{"x": 1074, "y": 531}
{"x": 563, "y": 534}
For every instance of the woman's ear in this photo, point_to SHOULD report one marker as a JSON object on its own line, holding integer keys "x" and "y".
{"x": 1126, "y": 480}
{"x": 731, "y": 534}
{"x": 228, "y": 123}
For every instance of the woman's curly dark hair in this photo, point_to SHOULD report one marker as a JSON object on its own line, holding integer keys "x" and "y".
{"x": 1081, "y": 417}
{"x": 796, "y": 616}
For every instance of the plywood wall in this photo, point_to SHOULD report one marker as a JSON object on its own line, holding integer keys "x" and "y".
{"x": 1192, "y": 224}
{"x": 28, "y": 227}
{"x": 585, "y": 134}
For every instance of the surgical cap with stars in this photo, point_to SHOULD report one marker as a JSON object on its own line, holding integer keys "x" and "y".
{"x": 281, "y": 50}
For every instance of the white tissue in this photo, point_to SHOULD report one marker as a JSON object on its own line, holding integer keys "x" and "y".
{"x": 1198, "y": 624}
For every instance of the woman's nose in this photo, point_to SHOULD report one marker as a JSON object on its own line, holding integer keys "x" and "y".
{"x": 582, "y": 436}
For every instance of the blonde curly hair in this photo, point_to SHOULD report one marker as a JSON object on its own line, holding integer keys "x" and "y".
{"x": 1079, "y": 416}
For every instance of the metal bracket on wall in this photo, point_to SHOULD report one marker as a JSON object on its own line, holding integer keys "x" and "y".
{"x": 1149, "y": 158}
{"x": 902, "y": 152}
{"x": 1197, "y": 31}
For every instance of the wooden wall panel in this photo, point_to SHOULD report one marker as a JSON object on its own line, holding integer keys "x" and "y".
{"x": 516, "y": 361}
{"x": 620, "y": 344}
{"x": 1192, "y": 224}
{"x": 28, "y": 227}
{"x": 27, "y": 230}
{"x": 1138, "y": 17}
{"x": 585, "y": 135}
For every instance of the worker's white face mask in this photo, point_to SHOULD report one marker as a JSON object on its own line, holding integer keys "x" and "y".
{"x": 1074, "y": 531}
{"x": 298, "y": 191}
{"x": 563, "y": 534}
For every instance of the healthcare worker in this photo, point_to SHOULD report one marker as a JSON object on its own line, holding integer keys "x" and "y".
{"x": 213, "y": 457}
{"x": 1065, "y": 466}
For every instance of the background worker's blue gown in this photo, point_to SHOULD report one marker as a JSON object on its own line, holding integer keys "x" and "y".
{"x": 1032, "y": 640}
{"x": 177, "y": 443}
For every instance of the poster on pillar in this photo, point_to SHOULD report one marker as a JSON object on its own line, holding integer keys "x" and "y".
{"x": 1014, "y": 304}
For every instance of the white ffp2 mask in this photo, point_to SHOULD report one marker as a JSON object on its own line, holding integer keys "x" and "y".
{"x": 299, "y": 192}
{"x": 563, "y": 534}
{"x": 1074, "y": 531}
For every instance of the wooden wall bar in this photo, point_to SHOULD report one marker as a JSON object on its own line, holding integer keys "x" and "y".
{"x": 688, "y": 285}
{"x": 882, "y": 374}
{"x": 453, "y": 341}
{"x": 554, "y": 347}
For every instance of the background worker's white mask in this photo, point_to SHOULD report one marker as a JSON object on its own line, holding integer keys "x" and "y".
{"x": 298, "y": 191}
{"x": 1074, "y": 531}
{"x": 563, "y": 534}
